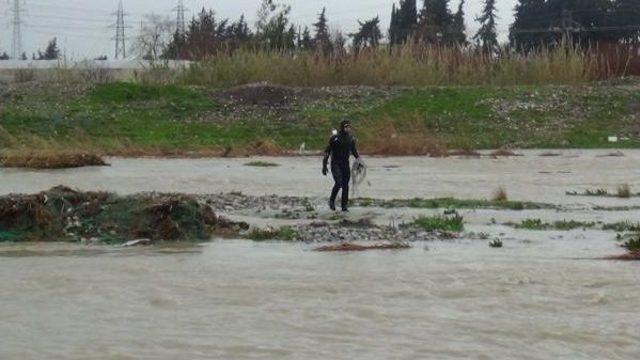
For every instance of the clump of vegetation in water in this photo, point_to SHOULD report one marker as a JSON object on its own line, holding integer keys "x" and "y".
{"x": 450, "y": 223}
{"x": 589, "y": 192}
{"x": 538, "y": 224}
{"x": 622, "y": 226}
{"x": 450, "y": 203}
{"x": 63, "y": 214}
{"x": 624, "y": 191}
{"x": 261, "y": 164}
{"x": 285, "y": 233}
{"x": 500, "y": 195}
{"x": 632, "y": 243}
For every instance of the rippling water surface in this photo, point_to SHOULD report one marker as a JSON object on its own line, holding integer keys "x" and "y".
{"x": 243, "y": 300}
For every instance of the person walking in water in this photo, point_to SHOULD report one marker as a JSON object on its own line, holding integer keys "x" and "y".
{"x": 341, "y": 146}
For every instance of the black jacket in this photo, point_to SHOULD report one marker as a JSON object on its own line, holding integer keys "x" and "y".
{"x": 340, "y": 147}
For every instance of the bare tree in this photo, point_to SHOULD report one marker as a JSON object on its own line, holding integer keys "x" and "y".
{"x": 155, "y": 34}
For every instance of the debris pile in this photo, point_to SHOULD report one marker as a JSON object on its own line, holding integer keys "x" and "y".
{"x": 261, "y": 94}
{"x": 53, "y": 160}
{"x": 63, "y": 214}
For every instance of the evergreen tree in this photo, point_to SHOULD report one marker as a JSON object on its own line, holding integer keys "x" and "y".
{"x": 394, "y": 26}
{"x": 4, "y": 56}
{"x": 368, "y": 35}
{"x": 239, "y": 31}
{"x": 408, "y": 18}
{"x": 627, "y": 13}
{"x": 458, "y": 29}
{"x": 529, "y": 14}
{"x": 322, "y": 39}
{"x": 305, "y": 42}
{"x": 273, "y": 30}
{"x": 51, "y": 52}
{"x": 435, "y": 22}
{"x": 339, "y": 43}
{"x": 486, "y": 37}
{"x": 206, "y": 36}
{"x": 546, "y": 22}
{"x": 403, "y": 21}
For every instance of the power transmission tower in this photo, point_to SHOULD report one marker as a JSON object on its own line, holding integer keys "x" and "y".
{"x": 121, "y": 49}
{"x": 16, "y": 22}
{"x": 180, "y": 23}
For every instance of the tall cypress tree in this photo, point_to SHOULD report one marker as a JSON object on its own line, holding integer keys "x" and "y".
{"x": 458, "y": 29}
{"x": 408, "y": 17}
{"x": 322, "y": 39}
{"x": 393, "y": 26}
{"x": 486, "y": 37}
{"x": 434, "y": 23}
{"x": 403, "y": 21}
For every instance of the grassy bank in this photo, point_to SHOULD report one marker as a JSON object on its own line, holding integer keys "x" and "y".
{"x": 134, "y": 119}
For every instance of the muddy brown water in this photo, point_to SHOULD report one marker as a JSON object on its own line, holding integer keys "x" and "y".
{"x": 541, "y": 296}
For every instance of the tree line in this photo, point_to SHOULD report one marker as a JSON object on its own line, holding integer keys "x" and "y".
{"x": 51, "y": 52}
{"x": 537, "y": 23}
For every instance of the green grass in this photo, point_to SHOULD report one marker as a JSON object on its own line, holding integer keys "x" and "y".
{"x": 129, "y": 118}
{"x": 564, "y": 225}
{"x": 451, "y": 223}
{"x": 632, "y": 243}
{"x": 285, "y": 233}
{"x": 623, "y": 226}
{"x": 451, "y": 203}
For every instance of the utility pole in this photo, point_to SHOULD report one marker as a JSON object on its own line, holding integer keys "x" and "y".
{"x": 121, "y": 49}
{"x": 180, "y": 23}
{"x": 16, "y": 22}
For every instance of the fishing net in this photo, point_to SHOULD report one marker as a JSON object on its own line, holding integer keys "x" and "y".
{"x": 358, "y": 174}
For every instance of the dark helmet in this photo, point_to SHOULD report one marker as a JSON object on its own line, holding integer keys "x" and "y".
{"x": 344, "y": 124}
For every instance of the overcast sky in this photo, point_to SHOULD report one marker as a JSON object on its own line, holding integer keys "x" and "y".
{"x": 82, "y": 26}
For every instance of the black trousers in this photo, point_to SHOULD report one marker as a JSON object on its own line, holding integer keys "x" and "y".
{"x": 341, "y": 176}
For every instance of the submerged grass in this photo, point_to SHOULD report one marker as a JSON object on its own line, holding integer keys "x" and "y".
{"x": 623, "y": 226}
{"x": 451, "y": 203}
{"x": 564, "y": 225}
{"x": 261, "y": 164}
{"x": 632, "y": 244}
{"x": 285, "y": 233}
{"x": 451, "y": 223}
{"x": 624, "y": 191}
{"x": 500, "y": 195}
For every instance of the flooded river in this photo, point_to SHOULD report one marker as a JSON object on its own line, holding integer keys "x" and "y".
{"x": 542, "y": 296}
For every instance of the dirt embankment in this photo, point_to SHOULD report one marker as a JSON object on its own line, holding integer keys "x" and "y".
{"x": 62, "y": 214}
